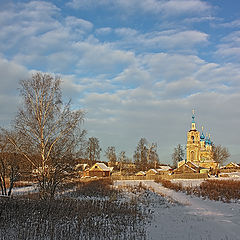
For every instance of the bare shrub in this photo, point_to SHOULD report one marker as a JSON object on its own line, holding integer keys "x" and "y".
{"x": 220, "y": 190}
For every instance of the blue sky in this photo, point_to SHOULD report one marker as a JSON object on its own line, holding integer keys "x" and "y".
{"x": 137, "y": 67}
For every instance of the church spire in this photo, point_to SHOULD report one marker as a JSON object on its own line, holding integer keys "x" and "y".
{"x": 193, "y": 120}
{"x": 202, "y": 137}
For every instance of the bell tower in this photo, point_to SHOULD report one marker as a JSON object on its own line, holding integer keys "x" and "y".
{"x": 193, "y": 142}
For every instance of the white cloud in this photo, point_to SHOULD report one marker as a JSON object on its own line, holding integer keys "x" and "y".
{"x": 230, "y": 46}
{"x": 165, "y": 40}
{"x": 232, "y": 24}
{"x": 103, "y": 31}
{"x": 173, "y": 7}
{"x": 100, "y": 58}
{"x": 185, "y": 6}
{"x": 171, "y": 67}
{"x": 78, "y": 23}
{"x": 11, "y": 74}
{"x": 134, "y": 74}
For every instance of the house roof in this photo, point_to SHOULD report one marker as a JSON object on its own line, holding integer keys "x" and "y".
{"x": 164, "y": 168}
{"x": 140, "y": 173}
{"x": 81, "y": 165}
{"x": 233, "y": 164}
{"x": 191, "y": 168}
{"x": 195, "y": 165}
{"x": 152, "y": 170}
{"x": 101, "y": 166}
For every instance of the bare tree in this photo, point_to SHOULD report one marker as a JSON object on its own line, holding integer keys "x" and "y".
{"x": 140, "y": 155}
{"x": 93, "y": 150}
{"x": 178, "y": 155}
{"x": 122, "y": 159}
{"x": 220, "y": 154}
{"x": 110, "y": 153}
{"x": 48, "y": 131}
{"x": 9, "y": 165}
{"x": 146, "y": 156}
{"x": 152, "y": 156}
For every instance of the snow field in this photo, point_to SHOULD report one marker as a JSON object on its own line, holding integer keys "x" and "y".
{"x": 193, "y": 218}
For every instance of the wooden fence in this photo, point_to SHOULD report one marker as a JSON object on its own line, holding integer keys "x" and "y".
{"x": 159, "y": 177}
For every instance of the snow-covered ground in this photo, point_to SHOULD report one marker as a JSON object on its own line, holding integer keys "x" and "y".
{"x": 196, "y": 182}
{"x": 188, "y": 182}
{"x": 24, "y": 190}
{"x": 193, "y": 218}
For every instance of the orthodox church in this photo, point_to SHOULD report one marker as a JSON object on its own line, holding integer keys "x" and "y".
{"x": 199, "y": 148}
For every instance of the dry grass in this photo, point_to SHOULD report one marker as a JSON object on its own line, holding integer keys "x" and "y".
{"x": 92, "y": 211}
{"x": 168, "y": 184}
{"x": 218, "y": 190}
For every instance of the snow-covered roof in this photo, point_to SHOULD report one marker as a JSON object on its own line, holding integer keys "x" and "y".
{"x": 195, "y": 165}
{"x": 102, "y": 166}
{"x": 233, "y": 164}
{"x": 164, "y": 168}
{"x": 140, "y": 173}
{"x": 191, "y": 168}
{"x": 81, "y": 165}
{"x": 152, "y": 170}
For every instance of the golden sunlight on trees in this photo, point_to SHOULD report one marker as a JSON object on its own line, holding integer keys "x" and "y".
{"x": 48, "y": 132}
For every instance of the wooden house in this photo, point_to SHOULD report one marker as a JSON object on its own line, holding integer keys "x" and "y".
{"x": 164, "y": 169}
{"x": 152, "y": 172}
{"x": 188, "y": 167}
{"x": 98, "y": 170}
{"x": 230, "y": 167}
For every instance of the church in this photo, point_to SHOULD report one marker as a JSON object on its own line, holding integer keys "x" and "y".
{"x": 199, "y": 148}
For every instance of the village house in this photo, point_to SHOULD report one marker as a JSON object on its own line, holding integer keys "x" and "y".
{"x": 164, "y": 170}
{"x": 188, "y": 167}
{"x": 230, "y": 167}
{"x": 152, "y": 172}
{"x": 98, "y": 170}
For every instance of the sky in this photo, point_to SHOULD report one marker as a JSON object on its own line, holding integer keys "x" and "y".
{"x": 136, "y": 67}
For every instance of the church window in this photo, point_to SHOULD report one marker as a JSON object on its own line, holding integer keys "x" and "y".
{"x": 192, "y": 156}
{"x": 193, "y": 139}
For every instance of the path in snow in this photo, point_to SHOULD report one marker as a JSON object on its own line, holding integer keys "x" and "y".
{"x": 194, "y": 218}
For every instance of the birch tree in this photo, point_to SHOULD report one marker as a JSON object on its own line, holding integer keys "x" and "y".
{"x": 48, "y": 131}
{"x": 93, "y": 150}
{"x": 140, "y": 155}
